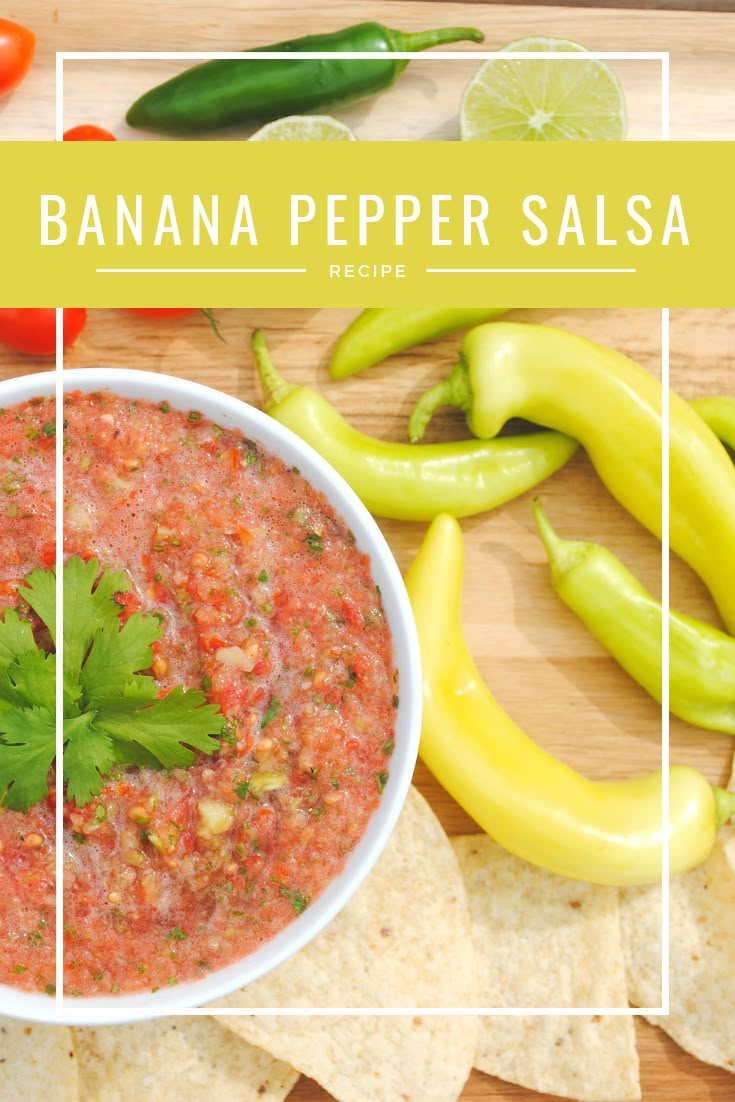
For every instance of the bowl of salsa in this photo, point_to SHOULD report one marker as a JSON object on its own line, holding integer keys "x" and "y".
{"x": 244, "y": 709}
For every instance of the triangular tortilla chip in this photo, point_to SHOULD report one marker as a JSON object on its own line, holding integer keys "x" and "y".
{"x": 701, "y": 1015}
{"x": 372, "y": 1059}
{"x": 403, "y": 941}
{"x": 191, "y": 1058}
{"x": 545, "y": 941}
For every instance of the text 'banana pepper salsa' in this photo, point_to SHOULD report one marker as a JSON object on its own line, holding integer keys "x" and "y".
{"x": 267, "y": 605}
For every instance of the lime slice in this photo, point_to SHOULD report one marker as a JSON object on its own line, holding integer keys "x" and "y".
{"x": 304, "y": 128}
{"x": 543, "y": 101}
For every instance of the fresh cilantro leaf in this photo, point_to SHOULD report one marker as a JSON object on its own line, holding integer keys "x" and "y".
{"x": 30, "y": 680}
{"x": 115, "y": 655}
{"x": 72, "y": 695}
{"x": 16, "y": 638}
{"x": 88, "y": 607}
{"x": 88, "y": 755}
{"x": 40, "y": 593}
{"x": 125, "y": 720}
{"x": 27, "y": 749}
{"x": 27, "y": 714}
{"x": 167, "y": 727}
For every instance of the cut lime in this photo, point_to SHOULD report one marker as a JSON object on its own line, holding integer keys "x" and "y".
{"x": 304, "y": 128}
{"x": 515, "y": 99}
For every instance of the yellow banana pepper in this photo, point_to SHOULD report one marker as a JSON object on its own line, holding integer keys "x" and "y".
{"x": 613, "y": 408}
{"x": 530, "y": 803}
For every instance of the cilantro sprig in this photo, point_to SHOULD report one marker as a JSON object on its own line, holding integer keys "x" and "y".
{"x": 113, "y": 714}
{"x": 27, "y": 713}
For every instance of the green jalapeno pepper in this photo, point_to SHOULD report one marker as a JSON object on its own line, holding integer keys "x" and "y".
{"x": 404, "y": 481}
{"x": 719, "y": 414}
{"x": 530, "y": 803}
{"x": 629, "y": 623}
{"x": 378, "y": 333}
{"x": 613, "y": 407}
{"x": 241, "y": 90}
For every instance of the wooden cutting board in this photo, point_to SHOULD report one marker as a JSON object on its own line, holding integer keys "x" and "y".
{"x": 702, "y": 47}
{"x": 536, "y": 657}
{"x": 538, "y": 660}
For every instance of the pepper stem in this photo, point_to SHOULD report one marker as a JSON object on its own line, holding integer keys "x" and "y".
{"x": 724, "y": 805}
{"x": 552, "y": 542}
{"x": 423, "y": 40}
{"x": 563, "y": 555}
{"x": 275, "y": 387}
{"x": 454, "y": 391}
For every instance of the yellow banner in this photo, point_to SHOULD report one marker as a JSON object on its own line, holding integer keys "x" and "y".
{"x": 367, "y": 224}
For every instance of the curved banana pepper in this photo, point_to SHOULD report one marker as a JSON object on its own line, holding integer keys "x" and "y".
{"x": 613, "y": 407}
{"x": 530, "y": 803}
{"x": 403, "y": 481}
{"x": 719, "y": 414}
{"x": 378, "y": 333}
{"x": 628, "y": 621}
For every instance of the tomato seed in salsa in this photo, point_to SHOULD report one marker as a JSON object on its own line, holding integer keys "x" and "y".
{"x": 268, "y": 606}
{"x": 27, "y": 840}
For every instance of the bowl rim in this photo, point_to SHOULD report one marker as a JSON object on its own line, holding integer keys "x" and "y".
{"x": 228, "y": 410}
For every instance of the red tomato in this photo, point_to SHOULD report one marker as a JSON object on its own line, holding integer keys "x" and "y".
{"x": 153, "y": 312}
{"x": 34, "y": 331}
{"x": 16, "y": 53}
{"x": 88, "y": 133}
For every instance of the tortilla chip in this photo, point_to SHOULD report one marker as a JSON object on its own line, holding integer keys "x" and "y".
{"x": 402, "y": 941}
{"x": 37, "y": 1062}
{"x": 192, "y": 1059}
{"x": 701, "y": 954}
{"x": 587, "y": 1058}
{"x": 542, "y": 940}
{"x": 372, "y": 1059}
{"x": 545, "y": 941}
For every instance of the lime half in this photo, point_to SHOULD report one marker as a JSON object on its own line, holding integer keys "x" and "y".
{"x": 512, "y": 99}
{"x": 304, "y": 128}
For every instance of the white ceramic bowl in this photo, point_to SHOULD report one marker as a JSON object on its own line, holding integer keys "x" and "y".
{"x": 231, "y": 412}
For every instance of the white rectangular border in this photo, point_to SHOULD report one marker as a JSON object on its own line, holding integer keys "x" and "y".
{"x": 109, "y": 1016}
{"x": 59, "y": 564}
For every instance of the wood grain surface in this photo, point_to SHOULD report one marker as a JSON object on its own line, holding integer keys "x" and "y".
{"x": 648, "y": 5}
{"x": 539, "y": 661}
{"x": 701, "y": 44}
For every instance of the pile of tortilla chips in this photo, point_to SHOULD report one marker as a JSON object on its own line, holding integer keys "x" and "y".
{"x": 701, "y": 970}
{"x": 437, "y": 924}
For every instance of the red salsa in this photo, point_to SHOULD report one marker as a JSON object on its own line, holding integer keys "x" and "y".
{"x": 270, "y": 608}
{"x": 27, "y": 840}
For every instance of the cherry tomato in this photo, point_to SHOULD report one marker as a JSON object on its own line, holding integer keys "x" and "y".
{"x": 34, "y": 331}
{"x": 16, "y": 53}
{"x": 153, "y": 312}
{"x": 87, "y": 133}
